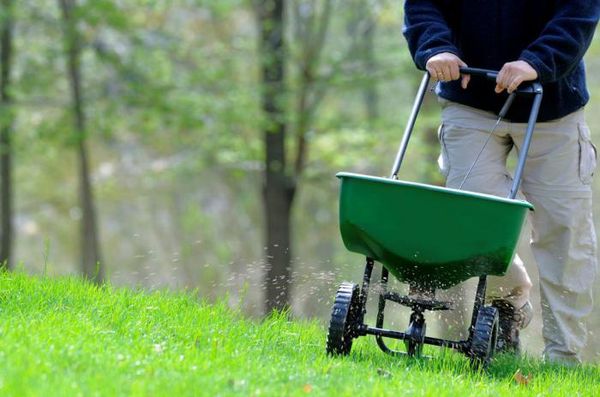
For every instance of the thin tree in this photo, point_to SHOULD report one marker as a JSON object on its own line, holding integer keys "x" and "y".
{"x": 89, "y": 244}
{"x": 279, "y": 188}
{"x": 6, "y": 127}
{"x": 311, "y": 25}
{"x": 311, "y": 28}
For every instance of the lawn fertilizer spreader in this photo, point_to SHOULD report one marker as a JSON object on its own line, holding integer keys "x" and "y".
{"x": 439, "y": 238}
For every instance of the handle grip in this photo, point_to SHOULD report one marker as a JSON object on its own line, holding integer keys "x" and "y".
{"x": 527, "y": 88}
{"x": 488, "y": 74}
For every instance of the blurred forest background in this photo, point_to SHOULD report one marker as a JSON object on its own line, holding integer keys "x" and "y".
{"x": 137, "y": 133}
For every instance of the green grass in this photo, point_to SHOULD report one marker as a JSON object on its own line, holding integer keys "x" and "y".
{"x": 66, "y": 338}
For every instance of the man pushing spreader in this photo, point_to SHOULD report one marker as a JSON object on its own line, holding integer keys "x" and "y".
{"x": 532, "y": 40}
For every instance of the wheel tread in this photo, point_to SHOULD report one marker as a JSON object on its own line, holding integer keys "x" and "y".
{"x": 343, "y": 317}
{"x": 483, "y": 343}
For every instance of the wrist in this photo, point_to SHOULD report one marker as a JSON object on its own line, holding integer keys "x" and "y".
{"x": 534, "y": 63}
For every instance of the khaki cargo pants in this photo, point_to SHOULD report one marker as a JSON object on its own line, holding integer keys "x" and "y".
{"x": 557, "y": 181}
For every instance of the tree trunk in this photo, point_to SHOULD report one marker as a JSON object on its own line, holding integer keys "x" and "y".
{"x": 279, "y": 188}
{"x": 90, "y": 252}
{"x": 6, "y": 125}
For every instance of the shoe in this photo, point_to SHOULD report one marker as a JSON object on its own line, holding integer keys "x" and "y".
{"x": 511, "y": 322}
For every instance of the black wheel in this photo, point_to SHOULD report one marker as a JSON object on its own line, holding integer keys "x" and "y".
{"x": 344, "y": 320}
{"x": 484, "y": 337}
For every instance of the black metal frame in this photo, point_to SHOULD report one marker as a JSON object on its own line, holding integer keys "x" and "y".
{"x": 415, "y": 335}
{"x": 416, "y": 332}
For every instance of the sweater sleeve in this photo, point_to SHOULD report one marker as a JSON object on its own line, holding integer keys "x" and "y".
{"x": 564, "y": 40}
{"x": 426, "y": 30}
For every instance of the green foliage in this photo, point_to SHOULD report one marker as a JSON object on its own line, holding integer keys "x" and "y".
{"x": 68, "y": 337}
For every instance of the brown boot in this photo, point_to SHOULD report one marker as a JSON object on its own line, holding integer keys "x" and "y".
{"x": 511, "y": 322}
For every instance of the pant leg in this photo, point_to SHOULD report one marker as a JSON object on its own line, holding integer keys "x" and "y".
{"x": 557, "y": 181}
{"x": 463, "y": 133}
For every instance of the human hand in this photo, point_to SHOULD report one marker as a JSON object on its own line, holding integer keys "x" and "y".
{"x": 445, "y": 67}
{"x": 513, "y": 74}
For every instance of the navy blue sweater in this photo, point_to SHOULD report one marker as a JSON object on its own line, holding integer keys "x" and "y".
{"x": 551, "y": 35}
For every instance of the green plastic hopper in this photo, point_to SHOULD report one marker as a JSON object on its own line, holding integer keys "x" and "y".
{"x": 428, "y": 235}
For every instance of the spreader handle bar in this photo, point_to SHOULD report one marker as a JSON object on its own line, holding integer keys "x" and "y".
{"x": 535, "y": 109}
{"x": 488, "y": 74}
{"x": 534, "y": 89}
{"x": 527, "y": 87}
{"x": 410, "y": 126}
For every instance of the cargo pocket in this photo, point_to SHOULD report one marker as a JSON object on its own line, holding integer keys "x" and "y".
{"x": 443, "y": 162}
{"x": 588, "y": 154}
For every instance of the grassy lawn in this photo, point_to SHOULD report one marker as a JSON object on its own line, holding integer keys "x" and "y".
{"x": 66, "y": 338}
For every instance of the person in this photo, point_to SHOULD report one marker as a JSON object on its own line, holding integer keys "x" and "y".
{"x": 542, "y": 40}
